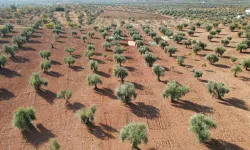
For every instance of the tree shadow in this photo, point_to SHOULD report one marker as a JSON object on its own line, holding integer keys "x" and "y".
{"x": 99, "y": 61}
{"x": 53, "y": 74}
{"x": 47, "y": 95}
{"x": 106, "y": 92}
{"x": 5, "y": 94}
{"x": 238, "y": 103}
{"x": 27, "y": 48}
{"x": 124, "y": 44}
{"x": 77, "y": 56}
{"x": 95, "y": 38}
{"x": 76, "y": 68}
{"x": 221, "y": 66}
{"x": 101, "y": 73}
{"x": 203, "y": 80}
{"x": 188, "y": 105}
{"x": 37, "y": 136}
{"x": 187, "y": 66}
{"x": 3, "y": 42}
{"x": 246, "y": 79}
{"x": 53, "y": 62}
{"x": 215, "y": 144}
{"x": 98, "y": 54}
{"x": 206, "y": 49}
{"x": 230, "y": 46}
{"x": 141, "y": 109}
{"x": 138, "y": 86}
{"x": 34, "y": 42}
{"x": 35, "y": 36}
{"x": 108, "y": 128}
{"x": 63, "y": 37}
{"x": 9, "y": 73}
{"x": 99, "y": 132}
{"x": 60, "y": 41}
{"x": 130, "y": 68}
{"x": 19, "y": 59}
{"x": 75, "y": 106}
{"x": 128, "y": 58}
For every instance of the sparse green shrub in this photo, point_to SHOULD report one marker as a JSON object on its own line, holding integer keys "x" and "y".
{"x": 232, "y": 27}
{"x": 125, "y": 92}
{"x": 212, "y": 58}
{"x": 235, "y": 69}
{"x": 187, "y": 43}
{"x": 65, "y": 94}
{"x": 212, "y": 32}
{"x": 70, "y": 50}
{"x": 143, "y": 49}
{"x": 118, "y": 50}
{"x": 217, "y": 89}
{"x": 10, "y": 49}
{"x": 87, "y": 117}
{"x": 84, "y": 38}
{"x": 240, "y": 47}
{"x": 246, "y": 63}
{"x": 45, "y": 54}
{"x": 70, "y": 60}
{"x": 88, "y": 53}
{"x": 19, "y": 41}
{"x": 158, "y": 71}
{"x": 157, "y": 39}
{"x": 45, "y": 65}
{"x": 93, "y": 80}
{"x": 135, "y": 133}
{"x": 163, "y": 44}
{"x": 218, "y": 31}
{"x": 91, "y": 34}
{"x": 139, "y": 43}
{"x": 174, "y": 91}
{"x": 210, "y": 37}
{"x": 106, "y": 45}
{"x": 196, "y": 48}
{"x": 208, "y": 28}
{"x": 2, "y": 61}
{"x": 233, "y": 59}
{"x": 190, "y": 32}
{"x": 225, "y": 42}
{"x": 179, "y": 27}
{"x": 23, "y": 117}
{"x": 197, "y": 74}
{"x": 54, "y": 145}
{"x": 240, "y": 33}
{"x": 73, "y": 33}
{"x": 36, "y": 81}
{"x": 200, "y": 125}
{"x": 93, "y": 65}
{"x": 180, "y": 60}
{"x": 178, "y": 38}
{"x": 149, "y": 58}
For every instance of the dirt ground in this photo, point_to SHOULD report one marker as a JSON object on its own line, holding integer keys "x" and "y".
{"x": 167, "y": 123}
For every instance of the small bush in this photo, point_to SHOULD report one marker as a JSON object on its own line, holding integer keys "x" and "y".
{"x": 69, "y": 60}
{"x": 23, "y": 117}
{"x": 149, "y": 58}
{"x": 174, "y": 91}
{"x": 87, "y": 117}
{"x": 217, "y": 89}
{"x": 233, "y": 59}
{"x": 225, "y": 42}
{"x": 118, "y": 50}
{"x": 180, "y": 60}
{"x": 2, "y": 61}
{"x": 36, "y": 82}
{"x": 88, "y": 53}
{"x": 197, "y": 74}
{"x": 91, "y": 34}
{"x": 54, "y": 145}
{"x": 212, "y": 58}
{"x": 219, "y": 51}
{"x": 246, "y": 63}
{"x": 126, "y": 92}
{"x": 8, "y": 49}
{"x": 70, "y": 50}
{"x": 196, "y": 48}
{"x": 84, "y": 38}
{"x": 45, "y": 65}
{"x": 19, "y": 41}
{"x": 45, "y": 54}
{"x": 143, "y": 49}
{"x": 235, "y": 69}
{"x": 106, "y": 45}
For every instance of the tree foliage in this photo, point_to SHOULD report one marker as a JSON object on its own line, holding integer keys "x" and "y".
{"x": 36, "y": 81}
{"x": 217, "y": 89}
{"x": 87, "y": 116}
{"x": 125, "y": 92}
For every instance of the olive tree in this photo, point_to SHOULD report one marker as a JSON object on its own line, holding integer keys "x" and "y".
{"x": 23, "y": 117}
{"x": 88, "y": 53}
{"x": 246, "y": 63}
{"x": 91, "y": 34}
{"x": 54, "y": 145}
{"x": 212, "y": 58}
{"x": 170, "y": 50}
{"x": 118, "y": 50}
{"x": 158, "y": 71}
{"x": 84, "y": 38}
{"x": 65, "y": 94}
{"x": 180, "y": 60}
{"x": 135, "y": 133}
{"x": 225, "y": 42}
{"x": 125, "y": 92}
{"x": 120, "y": 72}
{"x": 240, "y": 47}
{"x": 149, "y": 58}
{"x": 70, "y": 60}
{"x": 106, "y": 45}
{"x": 36, "y": 81}
{"x": 196, "y": 48}
{"x": 119, "y": 59}
{"x": 2, "y": 61}
{"x": 174, "y": 91}
{"x": 87, "y": 116}
{"x": 235, "y": 69}
{"x": 219, "y": 51}
{"x": 200, "y": 125}
{"x": 45, "y": 54}
{"x": 70, "y": 50}
{"x": 197, "y": 74}
{"x": 93, "y": 65}
{"x": 217, "y": 89}
{"x": 143, "y": 49}
{"x": 10, "y": 49}
{"x": 93, "y": 80}
{"x": 45, "y": 65}
{"x": 19, "y": 41}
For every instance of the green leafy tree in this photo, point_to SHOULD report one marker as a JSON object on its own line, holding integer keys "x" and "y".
{"x": 54, "y": 145}
{"x": 232, "y": 27}
{"x": 240, "y": 47}
{"x": 157, "y": 39}
{"x": 93, "y": 65}
{"x": 135, "y": 133}
{"x": 178, "y": 38}
{"x": 93, "y": 80}
{"x": 89, "y": 53}
{"x": 87, "y": 116}
{"x": 179, "y": 27}
{"x": 217, "y": 89}
{"x": 2, "y": 61}
{"x": 200, "y": 125}
{"x": 10, "y": 27}
{"x": 139, "y": 43}
{"x": 106, "y": 45}
{"x": 245, "y": 63}
{"x": 208, "y": 28}
{"x": 219, "y": 51}
{"x": 190, "y": 32}
{"x": 218, "y": 31}
{"x": 119, "y": 59}
{"x": 197, "y": 74}
{"x": 4, "y": 31}
{"x": 84, "y": 38}
{"x": 158, "y": 71}
{"x": 212, "y": 32}
{"x": 65, "y": 94}
{"x": 240, "y": 33}
{"x": 210, "y": 37}
{"x": 70, "y": 50}
{"x": 234, "y": 59}
{"x": 10, "y": 49}
{"x": 196, "y": 48}
{"x": 225, "y": 42}
{"x": 125, "y": 92}
{"x": 187, "y": 43}
{"x": 149, "y": 58}
{"x": 36, "y": 81}
{"x": 19, "y": 41}
{"x": 120, "y": 72}
{"x": 45, "y": 54}
{"x": 70, "y": 60}
{"x": 91, "y": 34}
{"x": 170, "y": 50}
{"x": 143, "y": 49}
{"x": 118, "y": 50}
{"x": 45, "y": 65}
{"x": 23, "y": 117}
{"x": 212, "y": 58}
{"x": 163, "y": 44}
{"x": 235, "y": 69}
{"x": 180, "y": 60}
{"x": 174, "y": 91}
